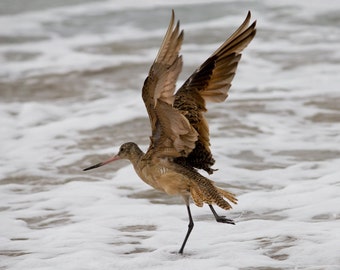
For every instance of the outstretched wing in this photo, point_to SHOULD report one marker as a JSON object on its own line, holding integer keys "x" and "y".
{"x": 172, "y": 133}
{"x": 211, "y": 82}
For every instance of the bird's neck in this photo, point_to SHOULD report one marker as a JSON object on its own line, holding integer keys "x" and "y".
{"x": 136, "y": 156}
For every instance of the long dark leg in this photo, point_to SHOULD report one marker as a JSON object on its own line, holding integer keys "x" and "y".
{"x": 190, "y": 226}
{"x": 221, "y": 219}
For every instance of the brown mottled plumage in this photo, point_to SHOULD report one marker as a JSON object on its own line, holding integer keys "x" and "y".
{"x": 180, "y": 144}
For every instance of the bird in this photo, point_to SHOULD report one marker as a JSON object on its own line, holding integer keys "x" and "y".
{"x": 179, "y": 142}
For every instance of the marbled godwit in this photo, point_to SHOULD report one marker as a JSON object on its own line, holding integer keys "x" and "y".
{"x": 180, "y": 135}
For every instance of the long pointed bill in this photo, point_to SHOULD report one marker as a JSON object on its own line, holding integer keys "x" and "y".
{"x": 114, "y": 158}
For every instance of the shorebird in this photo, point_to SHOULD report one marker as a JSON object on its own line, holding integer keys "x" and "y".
{"x": 180, "y": 143}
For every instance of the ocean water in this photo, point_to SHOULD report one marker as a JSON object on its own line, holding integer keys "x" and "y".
{"x": 71, "y": 74}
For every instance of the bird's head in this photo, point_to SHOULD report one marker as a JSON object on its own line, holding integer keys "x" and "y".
{"x": 127, "y": 150}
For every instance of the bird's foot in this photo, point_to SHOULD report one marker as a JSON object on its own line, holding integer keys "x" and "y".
{"x": 219, "y": 218}
{"x": 223, "y": 219}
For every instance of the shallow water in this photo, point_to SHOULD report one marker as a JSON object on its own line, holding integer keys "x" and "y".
{"x": 70, "y": 80}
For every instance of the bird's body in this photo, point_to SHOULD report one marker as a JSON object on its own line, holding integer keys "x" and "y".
{"x": 174, "y": 179}
{"x": 180, "y": 142}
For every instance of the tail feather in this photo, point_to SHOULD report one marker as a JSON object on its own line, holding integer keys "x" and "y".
{"x": 203, "y": 190}
{"x": 226, "y": 194}
{"x": 197, "y": 196}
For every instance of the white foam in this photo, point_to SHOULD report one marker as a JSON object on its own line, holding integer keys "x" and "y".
{"x": 282, "y": 164}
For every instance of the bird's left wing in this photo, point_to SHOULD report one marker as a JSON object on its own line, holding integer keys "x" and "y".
{"x": 172, "y": 134}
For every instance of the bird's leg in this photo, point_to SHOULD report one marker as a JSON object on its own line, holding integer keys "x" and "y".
{"x": 190, "y": 226}
{"x": 221, "y": 219}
